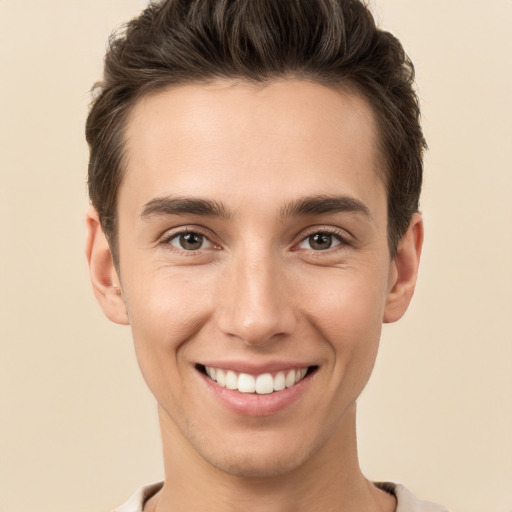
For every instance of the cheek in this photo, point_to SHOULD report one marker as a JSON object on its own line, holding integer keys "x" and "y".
{"x": 166, "y": 309}
{"x": 167, "y": 304}
{"x": 348, "y": 302}
{"x": 348, "y": 316}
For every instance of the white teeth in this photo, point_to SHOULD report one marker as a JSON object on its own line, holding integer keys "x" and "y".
{"x": 299, "y": 374}
{"x": 290, "y": 378}
{"x": 220, "y": 377}
{"x": 231, "y": 380}
{"x": 246, "y": 383}
{"x": 261, "y": 384}
{"x": 279, "y": 381}
{"x": 264, "y": 384}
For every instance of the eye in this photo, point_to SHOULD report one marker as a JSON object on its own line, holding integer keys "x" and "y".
{"x": 190, "y": 241}
{"x": 320, "y": 241}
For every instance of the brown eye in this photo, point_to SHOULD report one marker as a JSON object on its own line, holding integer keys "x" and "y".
{"x": 320, "y": 242}
{"x": 190, "y": 241}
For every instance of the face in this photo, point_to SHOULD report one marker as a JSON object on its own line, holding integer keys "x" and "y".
{"x": 254, "y": 266}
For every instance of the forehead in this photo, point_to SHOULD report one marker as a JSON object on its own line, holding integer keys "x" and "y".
{"x": 233, "y": 141}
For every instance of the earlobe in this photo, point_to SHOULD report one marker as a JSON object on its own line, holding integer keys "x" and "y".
{"x": 102, "y": 272}
{"x": 405, "y": 271}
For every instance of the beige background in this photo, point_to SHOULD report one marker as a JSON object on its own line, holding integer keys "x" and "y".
{"x": 78, "y": 429}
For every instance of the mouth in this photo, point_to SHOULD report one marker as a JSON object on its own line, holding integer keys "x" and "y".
{"x": 260, "y": 384}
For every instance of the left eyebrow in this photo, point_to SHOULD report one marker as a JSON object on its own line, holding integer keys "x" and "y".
{"x": 318, "y": 205}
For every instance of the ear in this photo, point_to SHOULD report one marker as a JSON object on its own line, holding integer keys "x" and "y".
{"x": 104, "y": 278}
{"x": 404, "y": 270}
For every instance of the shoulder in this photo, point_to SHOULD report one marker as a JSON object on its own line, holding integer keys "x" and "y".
{"x": 138, "y": 498}
{"x": 407, "y": 501}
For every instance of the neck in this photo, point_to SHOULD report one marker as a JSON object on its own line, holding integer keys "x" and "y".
{"x": 328, "y": 480}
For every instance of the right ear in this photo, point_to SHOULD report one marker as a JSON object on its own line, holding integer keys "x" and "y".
{"x": 104, "y": 278}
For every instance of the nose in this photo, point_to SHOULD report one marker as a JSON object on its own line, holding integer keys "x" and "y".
{"x": 255, "y": 303}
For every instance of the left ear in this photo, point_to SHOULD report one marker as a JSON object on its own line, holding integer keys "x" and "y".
{"x": 404, "y": 269}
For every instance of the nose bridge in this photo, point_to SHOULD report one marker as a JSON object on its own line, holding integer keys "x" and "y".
{"x": 255, "y": 303}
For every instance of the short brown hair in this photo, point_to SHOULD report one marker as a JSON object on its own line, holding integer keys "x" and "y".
{"x": 332, "y": 42}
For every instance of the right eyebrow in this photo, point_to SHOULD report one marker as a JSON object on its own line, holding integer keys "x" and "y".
{"x": 170, "y": 205}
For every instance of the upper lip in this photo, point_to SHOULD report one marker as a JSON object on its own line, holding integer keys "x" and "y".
{"x": 255, "y": 368}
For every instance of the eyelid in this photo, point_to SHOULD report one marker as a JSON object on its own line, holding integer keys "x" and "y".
{"x": 175, "y": 241}
{"x": 344, "y": 237}
{"x": 183, "y": 230}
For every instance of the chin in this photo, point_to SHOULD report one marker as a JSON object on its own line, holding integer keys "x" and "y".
{"x": 256, "y": 466}
{"x": 258, "y": 459}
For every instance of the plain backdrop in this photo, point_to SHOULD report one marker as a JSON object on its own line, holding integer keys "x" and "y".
{"x": 78, "y": 429}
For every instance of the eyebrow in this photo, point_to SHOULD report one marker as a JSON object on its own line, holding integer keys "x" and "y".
{"x": 323, "y": 204}
{"x": 184, "y": 205}
{"x": 305, "y": 206}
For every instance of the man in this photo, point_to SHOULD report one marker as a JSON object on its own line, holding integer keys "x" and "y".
{"x": 255, "y": 173}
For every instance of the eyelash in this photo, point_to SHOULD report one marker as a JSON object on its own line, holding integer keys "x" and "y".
{"x": 168, "y": 237}
{"x": 339, "y": 234}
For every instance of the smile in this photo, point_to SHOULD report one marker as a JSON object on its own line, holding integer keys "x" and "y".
{"x": 262, "y": 384}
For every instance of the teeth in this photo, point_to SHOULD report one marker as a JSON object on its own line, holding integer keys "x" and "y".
{"x": 220, "y": 377}
{"x": 264, "y": 384}
{"x": 290, "y": 378}
{"x": 246, "y": 383}
{"x": 231, "y": 380}
{"x": 261, "y": 384}
{"x": 279, "y": 381}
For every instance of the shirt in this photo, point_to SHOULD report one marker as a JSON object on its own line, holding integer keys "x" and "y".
{"x": 406, "y": 501}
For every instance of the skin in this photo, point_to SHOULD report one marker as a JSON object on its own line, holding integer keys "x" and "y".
{"x": 257, "y": 289}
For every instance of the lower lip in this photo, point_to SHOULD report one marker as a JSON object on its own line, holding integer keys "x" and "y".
{"x": 252, "y": 404}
